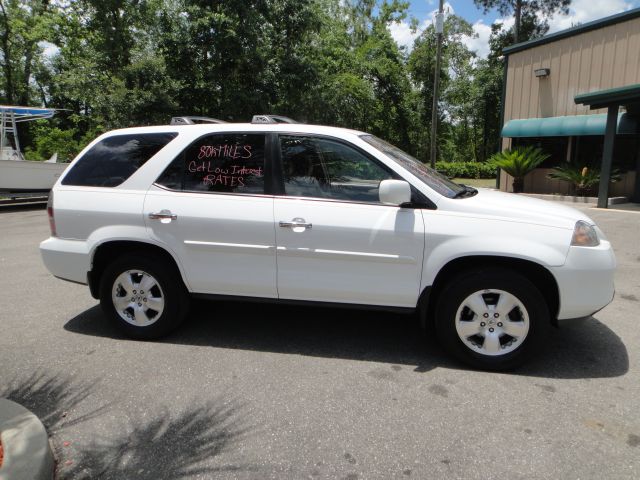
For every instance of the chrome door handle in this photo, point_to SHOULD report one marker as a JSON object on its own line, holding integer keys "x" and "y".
{"x": 296, "y": 223}
{"x": 162, "y": 215}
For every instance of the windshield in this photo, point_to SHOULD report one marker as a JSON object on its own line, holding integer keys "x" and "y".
{"x": 429, "y": 176}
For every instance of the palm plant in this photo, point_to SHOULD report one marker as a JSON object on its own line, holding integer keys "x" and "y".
{"x": 582, "y": 179}
{"x": 517, "y": 162}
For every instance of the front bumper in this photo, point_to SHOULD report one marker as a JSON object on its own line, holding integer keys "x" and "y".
{"x": 66, "y": 259}
{"x": 585, "y": 281}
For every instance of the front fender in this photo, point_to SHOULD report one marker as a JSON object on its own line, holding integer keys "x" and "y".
{"x": 452, "y": 237}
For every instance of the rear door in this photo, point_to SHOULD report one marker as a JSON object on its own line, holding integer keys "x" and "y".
{"x": 335, "y": 241}
{"x": 211, "y": 209}
{"x": 91, "y": 194}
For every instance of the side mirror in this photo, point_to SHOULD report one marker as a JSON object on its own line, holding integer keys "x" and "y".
{"x": 394, "y": 192}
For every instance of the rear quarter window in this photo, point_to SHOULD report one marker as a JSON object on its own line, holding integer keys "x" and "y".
{"x": 231, "y": 162}
{"x": 113, "y": 160}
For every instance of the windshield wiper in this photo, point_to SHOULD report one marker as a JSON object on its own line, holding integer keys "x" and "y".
{"x": 467, "y": 192}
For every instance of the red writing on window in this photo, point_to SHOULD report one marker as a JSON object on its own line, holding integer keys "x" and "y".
{"x": 226, "y": 180}
{"x": 207, "y": 167}
{"x": 228, "y": 151}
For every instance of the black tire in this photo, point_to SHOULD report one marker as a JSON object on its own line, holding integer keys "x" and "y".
{"x": 488, "y": 283}
{"x": 168, "y": 288}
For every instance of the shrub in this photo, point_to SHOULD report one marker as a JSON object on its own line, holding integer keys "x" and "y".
{"x": 67, "y": 143}
{"x": 53, "y": 141}
{"x": 518, "y": 162}
{"x": 582, "y": 179}
{"x": 466, "y": 169}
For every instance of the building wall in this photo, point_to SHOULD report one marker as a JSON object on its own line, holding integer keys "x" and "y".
{"x": 605, "y": 58}
{"x": 600, "y": 59}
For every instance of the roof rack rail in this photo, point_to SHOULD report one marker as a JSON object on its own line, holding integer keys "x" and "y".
{"x": 190, "y": 120}
{"x": 272, "y": 119}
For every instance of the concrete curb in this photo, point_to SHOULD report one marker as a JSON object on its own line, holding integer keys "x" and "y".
{"x": 575, "y": 199}
{"x": 27, "y": 454}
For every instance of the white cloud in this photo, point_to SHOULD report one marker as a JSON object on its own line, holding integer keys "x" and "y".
{"x": 447, "y": 8}
{"x": 403, "y": 34}
{"x": 479, "y": 42}
{"x": 49, "y": 49}
{"x": 506, "y": 22}
{"x": 583, "y": 11}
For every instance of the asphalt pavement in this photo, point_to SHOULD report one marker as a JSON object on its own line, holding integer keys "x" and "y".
{"x": 247, "y": 391}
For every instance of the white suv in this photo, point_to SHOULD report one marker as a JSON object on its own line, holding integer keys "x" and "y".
{"x": 150, "y": 216}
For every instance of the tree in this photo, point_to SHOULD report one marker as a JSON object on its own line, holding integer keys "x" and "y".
{"x": 524, "y": 8}
{"x": 488, "y": 81}
{"x": 421, "y": 66}
{"x": 24, "y": 25}
{"x": 119, "y": 63}
{"x": 360, "y": 76}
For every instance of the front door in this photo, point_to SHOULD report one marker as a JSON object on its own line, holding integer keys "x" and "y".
{"x": 209, "y": 207}
{"x": 335, "y": 241}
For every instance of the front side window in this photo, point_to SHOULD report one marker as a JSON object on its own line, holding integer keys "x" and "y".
{"x": 324, "y": 168}
{"x": 433, "y": 179}
{"x": 114, "y": 159}
{"x": 219, "y": 163}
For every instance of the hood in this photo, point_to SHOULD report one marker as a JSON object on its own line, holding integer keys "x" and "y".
{"x": 520, "y": 208}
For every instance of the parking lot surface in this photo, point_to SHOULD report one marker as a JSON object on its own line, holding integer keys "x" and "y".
{"x": 253, "y": 391}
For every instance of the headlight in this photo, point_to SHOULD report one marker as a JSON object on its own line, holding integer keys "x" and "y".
{"x": 600, "y": 233}
{"x": 584, "y": 235}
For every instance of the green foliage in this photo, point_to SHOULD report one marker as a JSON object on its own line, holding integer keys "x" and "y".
{"x": 120, "y": 63}
{"x": 506, "y": 7}
{"x": 54, "y": 141}
{"x": 455, "y": 77}
{"x": 24, "y": 26}
{"x": 466, "y": 169}
{"x": 50, "y": 140}
{"x": 518, "y": 161}
{"x": 582, "y": 179}
{"x": 67, "y": 143}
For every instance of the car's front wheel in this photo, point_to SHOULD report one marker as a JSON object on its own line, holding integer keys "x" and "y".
{"x": 143, "y": 296}
{"x": 491, "y": 319}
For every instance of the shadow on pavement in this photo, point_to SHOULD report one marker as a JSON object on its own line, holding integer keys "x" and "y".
{"x": 159, "y": 445}
{"x": 583, "y": 349}
{"x": 586, "y": 350}
{"x": 164, "y": 445}
{"x": 53, "y": 397}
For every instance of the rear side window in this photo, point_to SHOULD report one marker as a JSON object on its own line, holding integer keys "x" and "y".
{"x": 114, "y": 159}
{"x": 219, "y": 163}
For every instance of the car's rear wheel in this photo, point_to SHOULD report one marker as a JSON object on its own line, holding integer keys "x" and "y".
{"x": 142, "y": 296}
{"x": 491, "y": 319}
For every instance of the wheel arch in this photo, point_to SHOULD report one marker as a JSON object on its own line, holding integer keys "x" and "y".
{"x": 538, "y": 274}
{"x": 107, "y": 251}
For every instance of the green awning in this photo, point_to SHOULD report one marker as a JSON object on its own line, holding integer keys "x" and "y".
{"x": 568, "y": 126}
{"x": 627, "y": 95}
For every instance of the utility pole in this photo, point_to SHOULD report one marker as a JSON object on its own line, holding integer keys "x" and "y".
{"x": 436, "y": 81}
{"x": 518, "y": 15}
